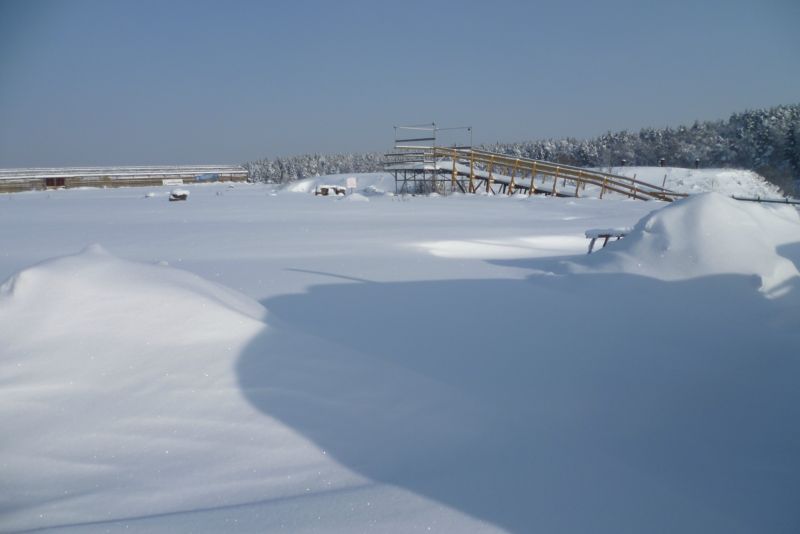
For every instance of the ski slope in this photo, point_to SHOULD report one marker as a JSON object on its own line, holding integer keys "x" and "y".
{"x": 260, "y": 360}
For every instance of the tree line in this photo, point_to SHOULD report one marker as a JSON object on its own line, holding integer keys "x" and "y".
{"x": 766, "y": 141}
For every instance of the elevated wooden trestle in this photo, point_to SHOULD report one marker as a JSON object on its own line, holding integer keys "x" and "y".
{"x": 471, "y": 170}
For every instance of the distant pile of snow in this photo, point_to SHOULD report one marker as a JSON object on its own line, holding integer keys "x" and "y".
{"x": 355, "y": 197}
{"x": 703, "y": 235}
{"x": 691, "y": 181}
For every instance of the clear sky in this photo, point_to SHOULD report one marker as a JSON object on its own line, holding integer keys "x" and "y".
{"x": 152, "y": 82}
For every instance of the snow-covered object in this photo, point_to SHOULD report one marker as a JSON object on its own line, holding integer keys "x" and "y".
{"x": 179, "y": 194}
{"x": 593, "y": 233}
{"x": 377, "y": 181}
{"x": 704, "y": 235}
{"x": 330, "y": 190}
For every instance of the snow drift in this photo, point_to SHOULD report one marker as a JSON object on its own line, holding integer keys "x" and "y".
{"x": 102, "y": 286}
{"x": 728, "y": 182}
{"x": 121, "y": 375}
{"x": 704, "y": 235}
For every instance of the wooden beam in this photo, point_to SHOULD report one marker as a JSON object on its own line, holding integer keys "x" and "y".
{"x": 532, "y": 188}
{"x": 555, "y": 181}
{"x": 471, "y": 172}
{"x": 453, "y": 177}
{"x": 511, "y": 185}
{"x": 490, "y": 180}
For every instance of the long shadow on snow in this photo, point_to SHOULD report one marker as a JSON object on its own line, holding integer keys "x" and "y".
{"x": 791, "y": 252}
{"x": 594, "y": 403}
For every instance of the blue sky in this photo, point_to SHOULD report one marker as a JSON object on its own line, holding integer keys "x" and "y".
{"x": 138, "y": 82}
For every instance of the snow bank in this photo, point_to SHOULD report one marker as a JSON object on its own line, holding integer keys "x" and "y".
{"x": 704, "y": 235}
{"x": 95, "y": 281}
{"x": 124, "y": 401}
{"x": 692, "y": 181}
{"x": 355, "y": 197}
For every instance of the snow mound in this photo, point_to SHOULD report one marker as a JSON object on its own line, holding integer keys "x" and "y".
{"x": 96, "y": 285}
{"x": 693, "y": 181}
{"x": 122, "y": 376}
{"x": 373, "y": 191}
{"x": 355, "y": 197}
{"x": 703, "y": 235}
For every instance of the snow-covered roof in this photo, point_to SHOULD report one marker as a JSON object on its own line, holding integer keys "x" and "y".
{"x": 119, "y": 172}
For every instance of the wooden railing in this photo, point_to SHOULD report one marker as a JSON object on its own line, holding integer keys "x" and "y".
{"x": 484, "y": 169}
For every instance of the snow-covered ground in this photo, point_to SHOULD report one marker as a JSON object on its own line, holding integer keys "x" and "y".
{"x": 257, "y": 360}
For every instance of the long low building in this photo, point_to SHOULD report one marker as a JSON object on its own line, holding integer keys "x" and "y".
{"x": 14, "y": 180}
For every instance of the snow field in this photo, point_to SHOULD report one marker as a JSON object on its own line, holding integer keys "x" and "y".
{"x": 252, "y": 362}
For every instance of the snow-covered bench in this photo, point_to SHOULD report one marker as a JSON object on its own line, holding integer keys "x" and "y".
{"x": 605, "y": 234}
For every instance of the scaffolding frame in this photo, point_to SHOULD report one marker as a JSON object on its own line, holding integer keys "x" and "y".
{"x": 415, "y": 160}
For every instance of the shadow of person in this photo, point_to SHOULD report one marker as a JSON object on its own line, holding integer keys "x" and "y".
{"x": 599, "y": 403}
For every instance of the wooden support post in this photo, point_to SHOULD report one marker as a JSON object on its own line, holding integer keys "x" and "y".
{"x": 555, "y": 181}
{"x": 453, "y": 177}
{"x": 578, "y": 183}
{"x": 532, "y": 188}
{"x": 603, "y": 189}
{"x": 471, "y": 172}
{"x": 490, "y": 179}
{"x": 511, "y": 186}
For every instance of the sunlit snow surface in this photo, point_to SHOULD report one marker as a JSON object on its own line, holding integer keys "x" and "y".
{"x": 256, "y": 360}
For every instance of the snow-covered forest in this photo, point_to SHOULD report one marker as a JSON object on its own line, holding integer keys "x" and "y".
{"x": 766, "y": 141}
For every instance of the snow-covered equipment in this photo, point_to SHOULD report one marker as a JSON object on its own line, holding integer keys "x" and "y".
{"x": 325, "y": 190}
{"x": 178, "y": 194}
